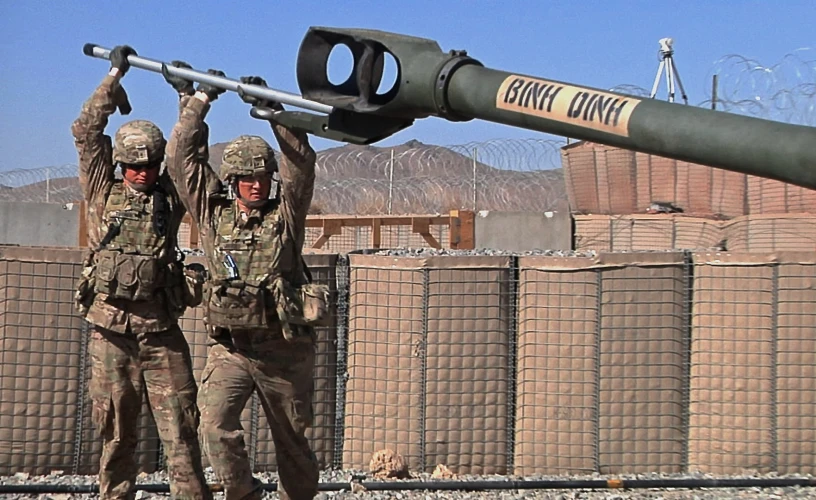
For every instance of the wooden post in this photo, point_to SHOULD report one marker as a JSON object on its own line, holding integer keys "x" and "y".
{"x": 461, "y": 233}
{"x": 376, "y": 232}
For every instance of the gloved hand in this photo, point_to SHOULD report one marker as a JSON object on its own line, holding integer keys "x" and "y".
{"x": 196, "y": 271}
{"x": 182, "y": 86}
{"x": 118, "y": 58}
{"x": 212, "y": 91}
{"x": 254, "y": 101}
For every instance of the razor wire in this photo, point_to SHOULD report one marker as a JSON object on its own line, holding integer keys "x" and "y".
{"x": 57, "y": 184}
{"x": 511, "y": 174}
{"x": 500, "y": 174}
{"x": 784, "y": 92}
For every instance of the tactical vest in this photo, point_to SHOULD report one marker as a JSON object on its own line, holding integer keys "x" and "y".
{"x": 244, "y": 264}
{"x": 131, "y": 262}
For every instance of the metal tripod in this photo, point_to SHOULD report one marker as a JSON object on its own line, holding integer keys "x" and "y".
{"x": 667, "y": 63}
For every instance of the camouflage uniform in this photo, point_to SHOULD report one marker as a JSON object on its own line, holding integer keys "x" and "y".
{"x": 251, "y": 348}
{"x": 133, "y": 291}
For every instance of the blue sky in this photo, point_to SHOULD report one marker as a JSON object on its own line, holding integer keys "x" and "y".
{"x": 45, "y": 76}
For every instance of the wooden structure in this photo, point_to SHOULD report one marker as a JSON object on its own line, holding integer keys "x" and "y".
{"x": 460, "y": 224}
{"x": 460, "y": 227}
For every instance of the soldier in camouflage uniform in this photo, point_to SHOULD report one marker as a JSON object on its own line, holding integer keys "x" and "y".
{"x": 261, "y": 307}
{"x": 133, "y": 290}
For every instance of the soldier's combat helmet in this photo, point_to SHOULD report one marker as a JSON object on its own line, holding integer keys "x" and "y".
{"x": 247, "y": 155}
{"x": 138, "y": 142}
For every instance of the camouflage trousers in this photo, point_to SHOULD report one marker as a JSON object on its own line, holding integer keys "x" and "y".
{"x": 124, "y": 367}
{"x": 282, "y": 373}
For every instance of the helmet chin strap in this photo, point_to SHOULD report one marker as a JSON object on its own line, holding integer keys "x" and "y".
{"x": 142, "y": 188}
{"x": 258, "y": 203}
{"x": 253, "y": 204}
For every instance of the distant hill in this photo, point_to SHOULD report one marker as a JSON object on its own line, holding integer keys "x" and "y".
{"x": 354, "y": 179}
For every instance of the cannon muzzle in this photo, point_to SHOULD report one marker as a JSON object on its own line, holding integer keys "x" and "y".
{"x": 456, "y": 87}
{"x": 423, "y": 72}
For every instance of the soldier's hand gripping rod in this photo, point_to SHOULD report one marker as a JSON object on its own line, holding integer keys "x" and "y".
{"x": 280, "y": 96}
{"x": 336, "y": 124}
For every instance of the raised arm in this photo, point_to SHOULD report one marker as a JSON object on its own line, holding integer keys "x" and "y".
{"x": 297, "y": 171}
{"x": 96, "y": 168}
{"x": 296, "y": 165}
{"x": 187, "y": 150}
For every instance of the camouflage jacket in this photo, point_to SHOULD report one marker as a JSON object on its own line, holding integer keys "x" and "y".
{"x": 219, "y": 220}
{"x": 96, "y": 177}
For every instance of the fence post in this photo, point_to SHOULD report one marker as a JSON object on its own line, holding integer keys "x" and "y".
{"x": 774, "y": 368}
{"x": 423, "y": 402}
{"x": 475, "y": 155}
{"x": 391, "y": 181}
{"x": 512, "y": 363}
{"x": 83, "y": 391}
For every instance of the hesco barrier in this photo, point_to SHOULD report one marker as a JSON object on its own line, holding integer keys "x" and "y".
{"x": 611, "y": 181}
{"x": 750, "y": 233}
{"x": 767, "y": 196}
{"x": 428, "y": 361}
{"x": 45, "y": 421}
{"x": 753, "y": 363}
{"x": 606, "y": 180}
{"x": 592, "y": 395}
{"x": 619, "y": 363}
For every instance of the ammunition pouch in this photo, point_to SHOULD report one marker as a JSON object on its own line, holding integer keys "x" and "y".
{"x": 127, "y": 276}
{"x": 304, "y": 305}
{"x": 235, "y": 304}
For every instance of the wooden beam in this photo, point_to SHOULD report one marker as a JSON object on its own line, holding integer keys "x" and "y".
{"x": 459, "y": 222}
{"x": 330, "y": 228}
{"x": 367, "y": 220}
{"x": 422, "y": 226}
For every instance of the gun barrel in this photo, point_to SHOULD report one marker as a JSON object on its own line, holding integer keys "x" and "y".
{"x": 280, "y": 96}
{"x": 456, "y": 87}
{"x": 739, "y": 143}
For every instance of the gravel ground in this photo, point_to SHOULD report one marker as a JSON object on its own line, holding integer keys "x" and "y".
{"x": 794, "y": 492}
{"x": 429, "y": 252}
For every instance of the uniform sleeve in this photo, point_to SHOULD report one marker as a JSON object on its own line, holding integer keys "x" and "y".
{"x": 96, "y": 169}
{"x": 297, "y": 172}
{"x": 187, "y": 162}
